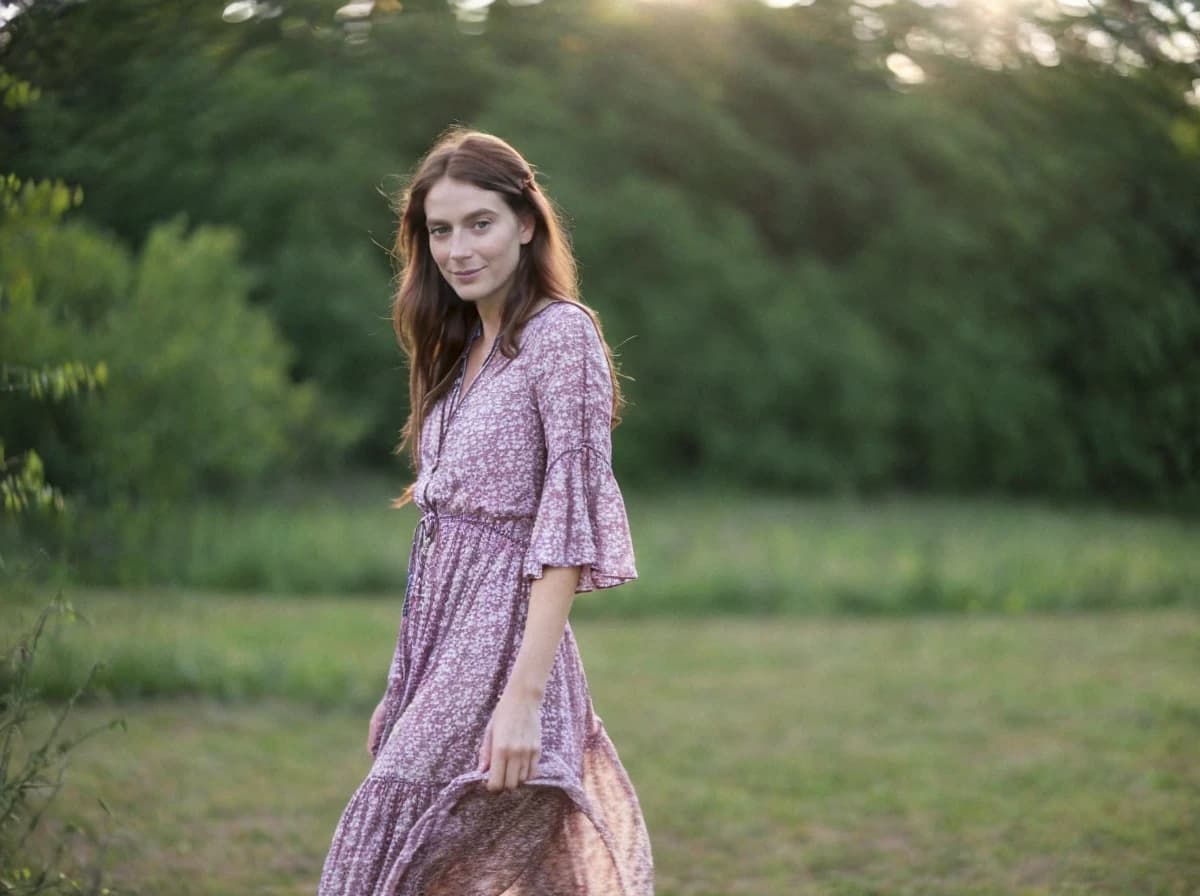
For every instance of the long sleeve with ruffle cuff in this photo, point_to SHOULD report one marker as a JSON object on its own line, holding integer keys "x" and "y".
{"x": 581, "y": 521}
{"x": 580, "y": 517}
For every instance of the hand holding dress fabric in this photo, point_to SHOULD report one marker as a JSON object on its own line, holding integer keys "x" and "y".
{"x": 511, "y": 744}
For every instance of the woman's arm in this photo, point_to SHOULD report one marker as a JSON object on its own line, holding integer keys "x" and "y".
{"x": 512, "y": 742}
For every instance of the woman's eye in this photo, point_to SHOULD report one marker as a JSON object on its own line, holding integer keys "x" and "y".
{"x": 484, "y": 223}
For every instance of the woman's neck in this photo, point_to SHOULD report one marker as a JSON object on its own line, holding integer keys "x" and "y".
{"x": 489, "y": 316}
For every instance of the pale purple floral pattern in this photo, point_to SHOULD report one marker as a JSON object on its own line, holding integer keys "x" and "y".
{"x": 515, "y": 475}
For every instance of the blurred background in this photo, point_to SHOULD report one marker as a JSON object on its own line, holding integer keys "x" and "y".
{"x": 906, "y": 295}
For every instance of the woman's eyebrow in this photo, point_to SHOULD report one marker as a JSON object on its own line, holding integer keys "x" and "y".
{"x": 474, "y": 214}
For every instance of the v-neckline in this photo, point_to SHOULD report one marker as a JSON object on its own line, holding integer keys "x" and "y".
{"x": 460, "y": 394}
{"x": 467, "y": 359}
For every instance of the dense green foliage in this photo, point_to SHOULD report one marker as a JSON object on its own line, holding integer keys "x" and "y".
{"x": 200, "y": 378}
{"x": 819, "y": 275}
{"x": 31, "y": 210}
{"x": 202, "y": 401}
{"x": 32, "y": 759}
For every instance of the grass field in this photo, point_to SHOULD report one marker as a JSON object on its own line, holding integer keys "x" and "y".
{"x": 698, "y": 553}
{"x": 965, "y": 754}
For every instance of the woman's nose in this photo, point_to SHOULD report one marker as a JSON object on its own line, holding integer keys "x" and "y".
{"x": 458, "y": 246}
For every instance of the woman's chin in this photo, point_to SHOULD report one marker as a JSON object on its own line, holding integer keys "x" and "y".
{"x": 467, "y": 295}
{"x": 480, "y": 298}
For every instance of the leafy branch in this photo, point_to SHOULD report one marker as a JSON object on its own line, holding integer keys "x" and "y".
{"x": 28, "y": 786}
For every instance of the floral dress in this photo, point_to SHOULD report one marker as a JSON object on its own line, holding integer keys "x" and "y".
{"x": 515, "y": 475}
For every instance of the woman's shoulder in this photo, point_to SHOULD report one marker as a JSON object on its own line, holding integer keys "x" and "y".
{"x": 559, "y": 325}
{"x": 556, "y": 312}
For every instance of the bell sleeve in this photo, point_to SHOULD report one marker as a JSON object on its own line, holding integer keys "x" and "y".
{"x": 580, "y": 518}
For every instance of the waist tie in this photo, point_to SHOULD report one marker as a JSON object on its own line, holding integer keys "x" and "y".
{"x": 422, "y": 537}
{"x": 517, "y": 530}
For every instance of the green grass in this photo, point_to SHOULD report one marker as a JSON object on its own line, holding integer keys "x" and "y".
{"x": 323, "y": 651}
{"x": 697, "y": 556}
{"x": 704, "y": 553}
{"x": 905, "y": 555}
{"x": 1033, "y": 754}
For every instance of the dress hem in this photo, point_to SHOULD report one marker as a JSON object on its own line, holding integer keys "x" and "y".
{"x": 553, "y": 775}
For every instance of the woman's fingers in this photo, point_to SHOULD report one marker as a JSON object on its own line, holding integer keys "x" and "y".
{"x": 512, "y": 774}
{"x": 374, "y": 728}
{"x": 511, "y": 746}
{"x": 485, "y": 749}
{"x": 499, "y": 768}
{"x": 510, "y": 771}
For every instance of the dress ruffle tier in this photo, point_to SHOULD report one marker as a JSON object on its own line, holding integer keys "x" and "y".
{"x": 565, "y": 832}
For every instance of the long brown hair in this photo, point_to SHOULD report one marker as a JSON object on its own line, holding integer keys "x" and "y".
{"x": 431, "y": 322}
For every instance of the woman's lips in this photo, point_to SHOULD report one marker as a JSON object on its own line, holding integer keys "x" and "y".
{"x": 467, "y": 275}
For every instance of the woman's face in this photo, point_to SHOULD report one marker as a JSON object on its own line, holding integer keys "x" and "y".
{"x": 475, "y": 239}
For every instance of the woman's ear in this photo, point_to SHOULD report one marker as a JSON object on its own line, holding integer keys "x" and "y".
{"x": 528, "y": 227}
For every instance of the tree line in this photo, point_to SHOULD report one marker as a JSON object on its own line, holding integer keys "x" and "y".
{"x": 838, "y": 248}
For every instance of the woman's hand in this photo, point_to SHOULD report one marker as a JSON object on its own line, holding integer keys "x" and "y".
{"x": 374, "y": 726}
{"x": 512, "y": 742}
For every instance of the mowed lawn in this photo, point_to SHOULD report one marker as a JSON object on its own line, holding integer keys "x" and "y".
{"x": 1028, "y": 754}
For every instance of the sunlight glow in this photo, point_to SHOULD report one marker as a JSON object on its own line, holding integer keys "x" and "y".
{"x": 239, "y": 11}
{"x": 1038, "y": 44}
{"x": 904, "y": 69}
{"x": 867, "y": 25}
{"x": 1180, "y": 47}
{"x": 359, "y": 9}
{"x": 1076, "y": 7}
{"x": 244, "y": 10}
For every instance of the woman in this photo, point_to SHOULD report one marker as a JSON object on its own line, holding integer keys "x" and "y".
{"x": 492, "y": 773}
